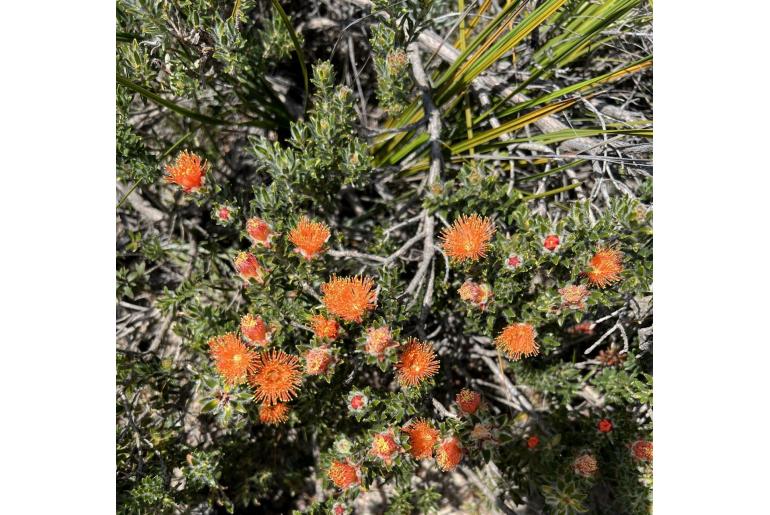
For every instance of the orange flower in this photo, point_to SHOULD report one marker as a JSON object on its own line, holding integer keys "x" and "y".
{"x": 255, "y": 330}
{"x": 551, "y": 242}
{"x": 642, "y": 450}
{"x": 188, "y": 172}
{"x": 384, "y": 446}
{"x": 247, "y": 266}
{"x": 273, "y": 415}
{"x": 605, "y": 425}
{"x": 532, "y": 442}
{"x": 478, "y": 294}
{"x": 606, "y": 267}
{"x": 317, "y": 360}
{"x": 585, "y": 465}
{"x": 378, "y": 342}
{"x": 349, "y": 297}
{"x": 259, "y": 231}
{"x": 449, "y": 454}
{"x": 309, "y": 237}
{"x": 343, "y": 474}
{"x": 422, "y": 438}
{"x": 468, "y": 401}
{"x": 233, "y": 359}
{"x": 574, "y": 296}
{"x": 276, "y": 377}
{"x": 518, "y": 340}
{"x": 325, "y": 328}
{"x": 468, "y": 238}
{"x": 417, "y": 363}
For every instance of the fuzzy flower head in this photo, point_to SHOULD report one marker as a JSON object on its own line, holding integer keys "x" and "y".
{"x": 551, "y": 242}
{"x": 349, "y": 297}
{"x": 188, "y": 172}
{"x": 255, "y": 330}
{"x": 513, "y": 262}
{"x": 275, "y": 414}
{"x": 477, "y": 294}
{"x": 518, "y": 340}
{"x": 468, "y": 401}
{"x": 343, "y": 446}
{"x": 276, "y": 378}
{"x": 417, "y": 363}
{"x": 605, "y": 267}
{"x": 573, "y": 296}
{"x": 344, "y": 475}
{"x": 449, "y": 454}
{"x": 532, "y": 442}
{"x": 223, "y": 214}
{"x": 325, "y": 329}
{"x": 642, "y": 450}
{"x": 468, "y": 238}
{"x": 247, "y": 266}
{"x": 422, "y": 438}
{"x": 259, "y": 232}
{"x": 357, "y": 402}
{"x": 317, "y": 360}
{"x": 384, "y": 446}
{"x": 379, "y": 341}
{"x": 309, "y": 237}
{"x": 605, "y": 425}
{"x": 585, "y": 465}
{"x": 611, "y": 357}
{"x": 233, "y": 359}
{"x": 339, "y": 509}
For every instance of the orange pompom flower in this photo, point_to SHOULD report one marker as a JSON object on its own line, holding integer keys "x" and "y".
{"x": 349, "y": 297}
{"x": 188, "y": 171}
{"x": 468, "y": 238}
{"x": 343, "y": 474}
{"x": 574, "y": 296}
{"x": 324, "y": 328}
{"x": 468, "y": 401}
{"x": 605, "y": 267}
{"x": 255, "y": 330}
{"x": 317, "y": 360}
{"x": 642, "y": 450}
{"x": 532, "y": 442}
{"x": 247, "y": 266}
{"x": 422, "y": 438}
{"x": 384, "y": 446}
{"x": 585, "y": 465}
{"x": 605, "y": 425}
{"x": 518, "y": 340}
{"x": 449, "y": 454}
{"x": 417, "y": 363}
{"x": 379, "y": 341}
{"x": 259, "y": 232}
{"x": 233, "y": 359}
{"x": 273, "y": 414}
{"x": 276, "y": 377}
{"x": 309, "y": 237}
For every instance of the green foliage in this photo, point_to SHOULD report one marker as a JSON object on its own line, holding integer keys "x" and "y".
{"x": 324, "y": 153}
{"x": 220, "y": 79}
